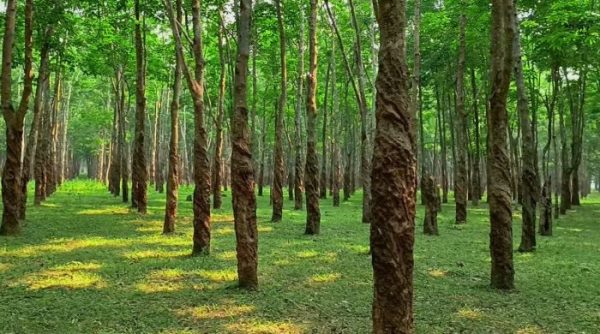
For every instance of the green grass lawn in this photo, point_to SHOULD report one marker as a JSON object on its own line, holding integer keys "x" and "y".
{"x": 85, "y": 263}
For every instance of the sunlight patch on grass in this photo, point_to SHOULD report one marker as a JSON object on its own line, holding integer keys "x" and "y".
{"x": 218, "y": 276}
{"x": 265, "y": 328}
{"x": 530, "y": 329}
{"x": 155, "y": 254}
{"x": 265, "y": 229}
{"x": 282, "y": 262}
{"x": 307, "y": 254}
{"x": 223, "y": 231}
{"x": 227, "y": 256}
{"x": 221, "y": 218}
{"x": 208, "y": 312}
{"x": 5, "y": 267}
{"x": 471, "y": 314}
{"x": 359, "y": 249}
{"x": 166, "y": 280}
{"x": 65, "y": 246}
{"x": 324, "y": 278}
{"x": 569, "y": 229}
{"x": 75, "y": 275}
{"x": 437, "y": 273}
{"x": 112, "y": 210}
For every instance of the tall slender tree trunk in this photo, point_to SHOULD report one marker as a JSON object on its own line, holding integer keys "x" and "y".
{"x": 565, "y": 189}
{"x": 139, "y": 198}
{"x": 394, "y": 179}
{"x": 499, "y": 194}
{"x": 242, "y": 180}
{"x": 476, "y": 174}
{"x": 299, "y": 147}
{"x": 30, "y": 150}
{"x": 461, "y": 179}
{"x": 529, "y": 174}
{"x": 278, "y": 168}
{"x": 311, "y": 180}
{"x": 218, "y": 157}
{"x": 174, "y": 163}
{"x": 323, "y": 178}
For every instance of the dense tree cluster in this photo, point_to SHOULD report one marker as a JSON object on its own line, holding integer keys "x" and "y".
{"x": 316, "y": 97}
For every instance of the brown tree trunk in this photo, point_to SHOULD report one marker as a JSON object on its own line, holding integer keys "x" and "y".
{"x": 565, "y": 189}
{"x": 394, "y": 179}
{"x": 242, "y": 180}
{"x": 174, "y": 164}
{"x": 430, "y": 195}
{"x": 311, "y": 179}
{"x": 529, "y": 174}
{"x": 42, "y": 81}
{"x": 139, "y": 196}
{"x": 11, "y": 173}
{"x": 218, "y": 157}
{"x": 299, "y": 147}
{"x": 461, "y": 179}
{"x": 441, "y": 115}
{"x": 323, "y": 177}
{"x": 476, "y": 174}
{"x": 499, "y": 194}
{"x": 278, "y": 168}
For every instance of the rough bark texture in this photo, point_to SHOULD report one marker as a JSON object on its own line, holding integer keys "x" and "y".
{"x": 299, "y": 147}
{"x": 499, "y": 193}
{"x": 11, "y": 174}
{"x": 394, "y": 179}
{"x": 242, "y": 179}
{"x": 546, "y": 209}
{"x": 430, "y": 195}
{"x": 529, "y": 175}
{"x": 173, "y": 172}
{"x": 461, "y": 178}
{"x": 139, "y": 197}
{"x": 30, "y": 150}
{"x": 278, "y": 169}
{"x": 476, "y": 174}
{"x": 218, "y": 156}
{"x": 311, "y": 180}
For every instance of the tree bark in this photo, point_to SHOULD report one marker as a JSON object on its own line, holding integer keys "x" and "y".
{"x": 278, "y": 169}
{"x": 499, "y": 195}
{"x": 242, "y": 180}
{"x": 139, "y": 198}
{"x": 529, "y": 174}
{"x": 311, "y": 179}
{"x": 393, "y": 179}
{"x": 461, "y": 179}
{"x": 299, "y": 159}
{"x": 430, "y": 194}
{"x": 174, "y": 161}
{"x": 218, "y": 157}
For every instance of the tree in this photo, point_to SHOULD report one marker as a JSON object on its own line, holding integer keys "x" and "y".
{"x": 242, "y": 175}
{"x": 277, "y": 191}
{"x": 311, "y": 179}
{"x": 393, "y": 179}
{"x": 139, "y": 177}
{"x": 461, "y": 182}
{"x": 499, "y": 190}
{"x": 173, "y": 172}
{"x": 299, "y": 158}
{"x": 218, "y": 157}
{"x": 195, "y": 82}
{"x": 11, "y": 174}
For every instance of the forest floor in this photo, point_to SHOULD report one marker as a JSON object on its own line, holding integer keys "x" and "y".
{"x": 85, "y": 263}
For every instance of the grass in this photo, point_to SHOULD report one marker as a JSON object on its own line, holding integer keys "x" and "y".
{"x": 86, "y": 264}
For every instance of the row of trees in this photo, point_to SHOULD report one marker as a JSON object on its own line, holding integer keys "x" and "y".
{"x": 455, "y": 110}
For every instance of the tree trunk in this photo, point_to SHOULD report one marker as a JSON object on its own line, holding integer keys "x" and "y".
{"x": 174, "y": 163}
{"x": 242, "y": 180}
{"x": 476, "y": 175}
{"x": 461, "y": 179}
{"x": 499, "y": 194}
{"x": 218, "y": 157}
{"x": 430, "y": 195}
{"x": 278, "y": 168}
{"x": 311, "y": 180}
{"x": 323, "y": 180}
{"x": 299, "y": 159}
{"x": 529, "y": 174}
{"x": 394, "y": 179}
{"x": 139, "y": 198}
{"x": 42, "y": 81}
